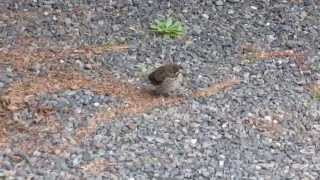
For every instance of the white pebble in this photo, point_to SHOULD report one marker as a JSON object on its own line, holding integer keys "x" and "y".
{"x": 268, "y": 118}
{"x": 254, "y": 7}
{"x": 221, "y": 163}
{"x": 96, "y": 104}
{"x": 193, "y": 141}
{"x": 205, "y": 16}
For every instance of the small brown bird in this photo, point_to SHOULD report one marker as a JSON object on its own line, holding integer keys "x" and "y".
{"x": 168, "y": 79}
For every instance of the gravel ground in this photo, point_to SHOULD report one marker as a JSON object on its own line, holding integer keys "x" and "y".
{"x": 267, "y": 127}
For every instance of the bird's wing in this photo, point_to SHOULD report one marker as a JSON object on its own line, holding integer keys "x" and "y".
{"x": 160, "y": 74}
{"x": 157, "y": 77}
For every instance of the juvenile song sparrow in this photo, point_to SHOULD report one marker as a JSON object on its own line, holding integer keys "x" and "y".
{"x": 168, "y": 79}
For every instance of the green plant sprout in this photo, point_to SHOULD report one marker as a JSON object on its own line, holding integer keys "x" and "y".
{"x": 168, "y": 28}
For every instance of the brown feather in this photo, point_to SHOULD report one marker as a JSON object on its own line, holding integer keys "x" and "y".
{"x": 163, "y": 72}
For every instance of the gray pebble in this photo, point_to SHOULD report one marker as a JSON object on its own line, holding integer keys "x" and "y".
{"x": 219, "y": 3}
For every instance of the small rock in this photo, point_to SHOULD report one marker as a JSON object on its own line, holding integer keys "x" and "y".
{"x": 78, "y": 110}
{"x": 219, "y": 174}
{"x": 230, "y": 11}
{"x": 2, "y": 84}
{"x": 268, "y": 118}
{"x": 88, "y": 66}
{"x": 206, "y": 16}
{"x": 308, "y": 150}
{"x": 246, "y": 77}
{"x": 267, "y": 165}
{"x": 307, "y": 2}
{"x": 221, "y": 163}
{"x": 316, "y": 127}
{"x": 254, "y": 7}
{"x": 236, "y": 69}
{"x": 2, "y": 174}
{"x": 77, "y": 160}
{"x": 193, "y": 141}
{"x": 219, "y": 3}
{"x": 294, "y": 44}
{"x": 197, "y": 29}
{"x": 70, "y": 93}
{"x": 115, "y": 27}
{"x": 101, "y": 22}
{"x": 204, "y": 172}
{"x": 86, "y": 156}
{"x": 68, "y": 21}
{"x": 61, "y": 164}
{"x": 299, "y": 166}
{"x": 79, "y": 63}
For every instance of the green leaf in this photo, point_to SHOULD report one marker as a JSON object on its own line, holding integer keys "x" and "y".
{"x": 169, "y": 22}
{"x": 168, "y": 28}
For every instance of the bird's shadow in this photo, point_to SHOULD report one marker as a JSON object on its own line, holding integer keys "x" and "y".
{"x": 152, "y": 91}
